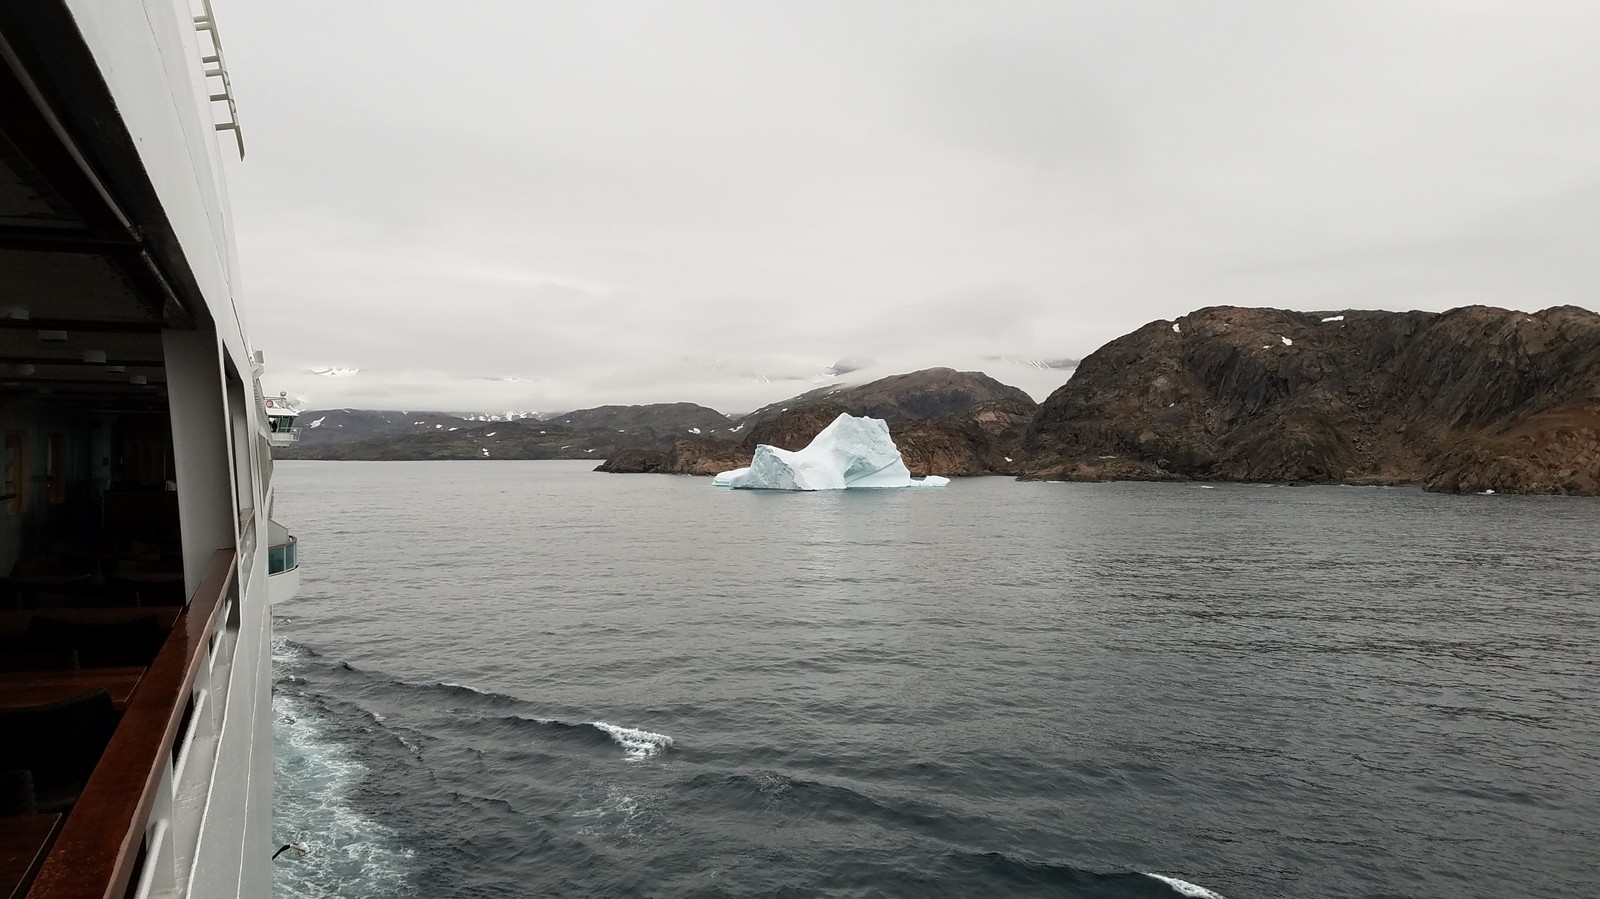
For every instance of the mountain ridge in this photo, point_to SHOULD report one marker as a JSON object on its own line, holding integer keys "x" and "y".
{"x": 1472, "y": 399}
{"x": 1468, "y": 400}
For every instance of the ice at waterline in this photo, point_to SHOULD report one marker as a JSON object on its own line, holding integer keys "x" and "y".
{"x": 851, "y": 453}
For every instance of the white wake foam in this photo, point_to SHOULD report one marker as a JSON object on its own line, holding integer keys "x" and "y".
{"x": 640, "y": 744}
{"x": 315, "y": 775}
{"x": 1185, "y": 888}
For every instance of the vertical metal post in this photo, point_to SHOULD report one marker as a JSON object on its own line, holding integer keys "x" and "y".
{"x": 160, "y": 874}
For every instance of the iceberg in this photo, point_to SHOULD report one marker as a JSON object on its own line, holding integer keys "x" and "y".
{"x": 850, "y": 453}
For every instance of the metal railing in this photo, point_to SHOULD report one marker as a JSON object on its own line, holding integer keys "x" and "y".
{"x": 283, "y": 557}
{"x": 126, "y": 805}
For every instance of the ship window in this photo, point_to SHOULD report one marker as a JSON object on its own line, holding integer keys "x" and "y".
{"x": 244, "y": 485}
{"x": 15, "y": 490}
{"x": 56, "y": 468}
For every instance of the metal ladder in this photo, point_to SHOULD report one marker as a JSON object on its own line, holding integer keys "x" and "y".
{"x": 216, "y": 67}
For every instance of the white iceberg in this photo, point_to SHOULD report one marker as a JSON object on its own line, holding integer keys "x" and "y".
{"x": 849, "y": 453}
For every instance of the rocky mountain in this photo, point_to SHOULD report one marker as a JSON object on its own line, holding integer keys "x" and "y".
{"x": 686, "y": 456}
{"x": 355, "y": 434}
{"x": 666, "y": 418}
{"x": 929, "y": 393}
{"x": 324, "y": 428}
{"x": 1467, "y": 400}
{"x": 521, "y": 439}
{"x": 1472, "y": 399}
{"x": 944, "y": 421}
{"x": 977, "y": 440}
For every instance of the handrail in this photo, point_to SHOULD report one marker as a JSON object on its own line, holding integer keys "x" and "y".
{"x": 98, "y": 848}
{"x": 283, "y": 556}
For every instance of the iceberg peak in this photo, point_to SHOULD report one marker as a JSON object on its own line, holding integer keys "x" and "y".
{"x": 850, "y": 452}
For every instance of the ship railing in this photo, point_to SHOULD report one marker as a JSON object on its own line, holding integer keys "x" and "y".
{"x": 283, "y": 557}
{"x": 123, "y": 822}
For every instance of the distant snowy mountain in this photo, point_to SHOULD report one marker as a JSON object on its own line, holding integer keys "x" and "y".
{"x": 1064, "y": 365}
{"x": 322, "y": 427}
{"x": 664, "y": 418}
{"x": 499, "y": 416}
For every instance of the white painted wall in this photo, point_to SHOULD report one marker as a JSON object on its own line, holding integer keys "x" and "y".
{"x": 233, "y": 830}
{"x": 149, "y": 55}
{"x": 140, "y": 47}
{"x": 206, "y": 513}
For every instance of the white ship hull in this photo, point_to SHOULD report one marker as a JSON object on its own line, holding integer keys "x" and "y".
{"x": 137, "y": 455}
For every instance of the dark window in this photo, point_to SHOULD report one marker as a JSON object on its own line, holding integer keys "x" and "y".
{"x": 15, "y": 489}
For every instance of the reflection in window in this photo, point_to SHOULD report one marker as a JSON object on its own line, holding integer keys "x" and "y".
{"x": 15, "y": 489}
{"x": 56, "y": 468}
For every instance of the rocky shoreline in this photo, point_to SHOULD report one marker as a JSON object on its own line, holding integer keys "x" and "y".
{"x": 1470, "y": 400}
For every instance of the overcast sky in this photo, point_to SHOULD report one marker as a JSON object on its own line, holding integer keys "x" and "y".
{"x": 716, "y": 201}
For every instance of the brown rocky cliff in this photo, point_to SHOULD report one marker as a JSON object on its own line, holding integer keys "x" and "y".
{"x": 945, "y": 422}
{"x": 979, "y": 440}
{"x": 688, "y": 455}
{"x": 928, "y": 393}
{"x": 983, "y": 441}
{"x": 793, "y": 429}
{"x": 1473, "y": 398}
{"x": 633, "y": 461}
{"x": 705, "y": 456}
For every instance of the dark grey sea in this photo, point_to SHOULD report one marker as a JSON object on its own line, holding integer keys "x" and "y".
{"x": 529, "y": 679}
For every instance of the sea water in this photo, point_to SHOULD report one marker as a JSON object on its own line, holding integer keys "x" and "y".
{"x": 529, "y": 679}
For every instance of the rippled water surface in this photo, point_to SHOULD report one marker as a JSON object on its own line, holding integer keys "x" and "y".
{"x": 528, "y": 679}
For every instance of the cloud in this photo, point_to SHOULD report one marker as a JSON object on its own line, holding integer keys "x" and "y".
{"x": 717, "y": 201}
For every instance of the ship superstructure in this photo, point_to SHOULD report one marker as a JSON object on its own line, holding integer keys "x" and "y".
{"x": 136, "y": 532}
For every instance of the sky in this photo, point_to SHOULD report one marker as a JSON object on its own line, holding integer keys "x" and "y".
{"x": 529, "y": 205}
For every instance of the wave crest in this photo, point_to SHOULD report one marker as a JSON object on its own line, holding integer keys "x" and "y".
{"x": 1185, "y": 888}
{"x": 639, "y": 744}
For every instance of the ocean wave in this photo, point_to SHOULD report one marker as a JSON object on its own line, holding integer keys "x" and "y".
{"x": 284, "y": 648}
{"x": 461, "y": 690}
{"x": 295, "y": 658}
{"x": 1185, "y": 888}
{"x": 455, "y": 686}
{"x": 458, "y": 692}
{"x": 985, "y": 869}
{"x": 985, "y": 872}
{"x": 636, "y": 743}
{"x": 847, "y": 804}
{"x": 315, "y": 775}
{"x": 639, "y": 744}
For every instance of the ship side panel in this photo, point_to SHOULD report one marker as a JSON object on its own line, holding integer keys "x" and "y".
{"x": 138, "y": 45}
{"x": 131, "y": 98}
{"x": 256, "y": 864}
{"x": 233, "y": 855}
